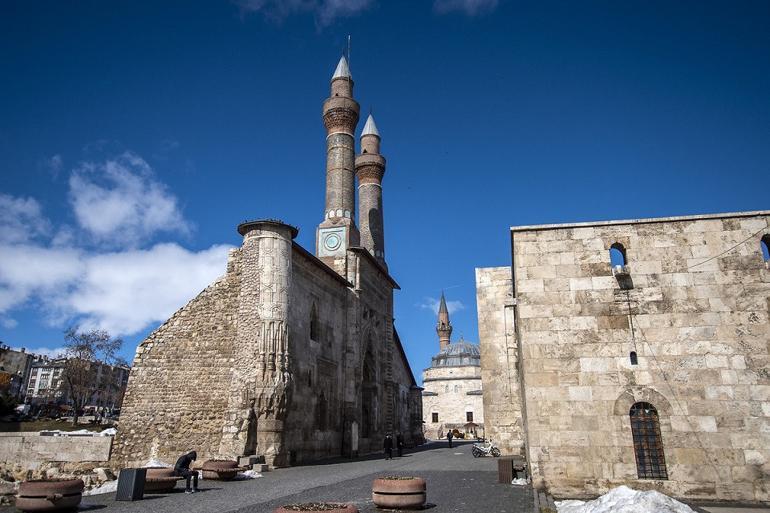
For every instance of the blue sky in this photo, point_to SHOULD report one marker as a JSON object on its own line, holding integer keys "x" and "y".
{"x": 135, "y": 136}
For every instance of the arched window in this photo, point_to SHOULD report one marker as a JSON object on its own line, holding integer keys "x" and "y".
{"x": 765, "y": 243}
{"x": 648, "y": 444}
{"x": 321, "y": 415}
{"x": 617, "y": 255}
{"x": 314, "y": 327}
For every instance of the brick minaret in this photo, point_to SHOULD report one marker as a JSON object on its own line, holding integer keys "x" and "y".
{"x": 444, "y": 327}
{"x": 370, "y": 167}
{"x": 338, "y": 231}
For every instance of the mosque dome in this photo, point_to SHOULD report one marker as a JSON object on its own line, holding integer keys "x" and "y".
{"x": 461, "y": 352}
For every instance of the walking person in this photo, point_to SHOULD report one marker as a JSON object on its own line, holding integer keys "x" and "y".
{"x": 400, "y": 444}
{"x": 388, "y": 445}
{"x": 182, "y": 469}
{"x": 449, "y": 437}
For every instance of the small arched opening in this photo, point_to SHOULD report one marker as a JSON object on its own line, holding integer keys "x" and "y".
{"x": 617, "y": 255}
{"x": 765, "y": 246}
{"x": 368, "y": 394}
{"x": 321, "y": 413}
{"x": 648, "y": 443}
{"x": 315, "y": 328}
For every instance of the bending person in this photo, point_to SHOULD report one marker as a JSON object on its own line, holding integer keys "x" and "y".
{"x": 182, "y": 469}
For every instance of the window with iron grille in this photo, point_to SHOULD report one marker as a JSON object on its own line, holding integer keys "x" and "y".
{"x": 648, "y": 444}
{"x": 434, "y": 417}
{"x": 469, "y": 416}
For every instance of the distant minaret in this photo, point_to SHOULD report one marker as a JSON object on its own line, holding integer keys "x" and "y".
{"x": 444, "y": 327}
{"x": 370, "y": 167}
{"x": 338, "y": 231}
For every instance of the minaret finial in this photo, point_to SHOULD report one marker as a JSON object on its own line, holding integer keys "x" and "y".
{"x": 370, "y": 128}
{"x": 343, "y": 69}
{"x": 444, "y": 326}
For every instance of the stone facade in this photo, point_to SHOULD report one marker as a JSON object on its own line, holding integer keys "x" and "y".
{"x": 691, "y": 303}
{"x": 288, "y": 355}
{"x": 499, "y": 359}
{"x": 451, "y": 393}
{"x": 452, "y": 397}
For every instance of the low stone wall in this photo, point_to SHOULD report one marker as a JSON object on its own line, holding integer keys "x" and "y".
{"x": 31, "y": 450}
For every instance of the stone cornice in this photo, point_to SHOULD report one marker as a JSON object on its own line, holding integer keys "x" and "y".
{"x": 588, "y": 224}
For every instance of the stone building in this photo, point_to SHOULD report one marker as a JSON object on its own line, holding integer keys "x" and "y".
{"x": 451, "y": 399}
{"x": 103, "y": 385}
{"x": 14, "y": 371}
{"x": 633, "y": 352}
{"x": 289, "y": 355}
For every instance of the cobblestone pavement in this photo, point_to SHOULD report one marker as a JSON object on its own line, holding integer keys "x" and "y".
{"x": 457, "y": 482}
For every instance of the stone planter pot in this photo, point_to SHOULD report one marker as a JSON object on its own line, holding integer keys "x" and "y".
{"x": 399, "y": 492}
{"x": 50, "y": 495}
{"x": 317, "y": 507}
{"x": 160, "y": 480}
{"x": 223, "y": 470}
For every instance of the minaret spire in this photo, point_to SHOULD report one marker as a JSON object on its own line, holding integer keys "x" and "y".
{"x": 338, "y": 231}
{"x": 370, "y": 168}
{"x": 443, "y": 327}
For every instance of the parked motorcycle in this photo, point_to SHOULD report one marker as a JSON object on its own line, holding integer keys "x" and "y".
{"x": 485, "y": 449}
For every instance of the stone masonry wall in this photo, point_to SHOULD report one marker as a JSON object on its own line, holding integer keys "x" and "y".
{"x": 314, "y": 424}
{"x": 238, "y": 365}
{"x": 31, "y": 450}
{"x": 499, "y": 359}
{"x": 696, "y": 315}
{"x": 179, "y": 383}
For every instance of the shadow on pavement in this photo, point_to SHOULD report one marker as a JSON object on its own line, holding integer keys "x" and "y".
{"x": 379, "y": 455}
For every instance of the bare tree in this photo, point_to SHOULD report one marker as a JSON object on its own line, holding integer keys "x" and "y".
{"x": 85, "y": 352}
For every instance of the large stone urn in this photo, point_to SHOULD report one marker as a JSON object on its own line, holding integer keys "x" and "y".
{"x": 222, "y": 470}
{"x": 50, "y": 495}
{"x": 399, "y": 492}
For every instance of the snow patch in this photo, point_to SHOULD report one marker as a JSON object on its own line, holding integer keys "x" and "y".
{"x": 247, "y": 474}
{"x": 80, "y": 432}
{"x": 520, "y": 481}
{"x": 108, "y": 487}
{"x": 625, "y": 500}
{"x": 153, "y": 462}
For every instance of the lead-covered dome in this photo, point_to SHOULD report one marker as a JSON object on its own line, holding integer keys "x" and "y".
{"x": 461, "y": 352}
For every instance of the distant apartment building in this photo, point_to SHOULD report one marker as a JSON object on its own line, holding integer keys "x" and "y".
{"x": 105, "y": 384}
{"x": 15, "y": 366}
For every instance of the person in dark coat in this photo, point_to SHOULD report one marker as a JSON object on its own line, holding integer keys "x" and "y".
{"x": 388, "y": 445}
{"x": 182, "y": 469}
{"x": 400, "y": 444}
{"x": 449, "y": 437}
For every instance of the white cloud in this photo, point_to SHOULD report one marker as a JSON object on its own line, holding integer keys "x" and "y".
{"x": 125, "y": 292}
{"x": 119, "y": 201}
{"x": 324, "y": 11}
{"x": 121, "y": 290}
{"x": 50, "y": 352}
{"x": 21, "y": 219}
{"x": 56, "y": 162}
{"x": 32, "y": 270}
{"x": 8, "y": 323}
{"x": 432, "y": 304}
{"x": 469, "y": 7}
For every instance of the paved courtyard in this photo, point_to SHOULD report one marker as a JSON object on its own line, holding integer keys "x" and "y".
{"x": 457, "y": 482}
